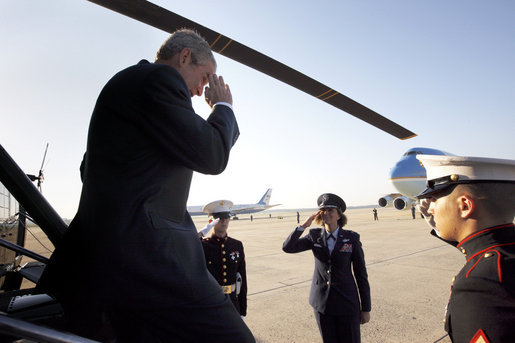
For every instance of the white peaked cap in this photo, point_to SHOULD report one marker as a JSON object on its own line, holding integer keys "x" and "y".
{"x": 219, "y": 206}
{"x": 443, "y": 171}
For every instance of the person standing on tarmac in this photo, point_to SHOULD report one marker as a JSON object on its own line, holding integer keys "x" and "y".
{"x": 339, "y": 266}
{"x": 225, "y": 257}
{"x": 470, "y": 203}
{"x": 131, "y": 255}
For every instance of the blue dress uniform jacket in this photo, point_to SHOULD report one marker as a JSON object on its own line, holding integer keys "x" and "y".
{"x": 333, "y": 289}
{"x": 482, "y": 302}
{"x": 132, "y": 244}
{"x": 225, "y": 258}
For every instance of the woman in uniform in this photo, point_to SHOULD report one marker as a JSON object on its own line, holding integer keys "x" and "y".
{"x": 339, "y": 266}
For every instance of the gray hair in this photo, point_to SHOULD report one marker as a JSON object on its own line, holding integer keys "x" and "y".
{"x": 185, "y": 38}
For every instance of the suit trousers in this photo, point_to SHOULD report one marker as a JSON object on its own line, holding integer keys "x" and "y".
{"x": 186, "y": 324}
{"x": 339, "y": 329}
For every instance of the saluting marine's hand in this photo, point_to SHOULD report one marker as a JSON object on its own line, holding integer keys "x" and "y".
{"x": 423, "y": 207}
{"x": 308, "y": 222}
{"x": 205, "y": 230}
{"x": 217, "y": 91}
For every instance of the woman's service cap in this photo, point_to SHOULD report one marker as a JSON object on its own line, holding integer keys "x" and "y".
{"x": 445, "y": 171}
{"x": 329, "y": 200}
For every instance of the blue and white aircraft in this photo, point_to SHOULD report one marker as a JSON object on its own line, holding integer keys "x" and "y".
{"x": 408, "y": 176}
{"x": 261, "y": 205}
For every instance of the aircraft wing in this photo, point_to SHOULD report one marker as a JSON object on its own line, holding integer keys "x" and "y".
{"x": 168, "y": 21}
{"x": 270, "y": 206}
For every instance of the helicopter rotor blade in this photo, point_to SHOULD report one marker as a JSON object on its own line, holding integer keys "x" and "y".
{"x": 168, "y": 21}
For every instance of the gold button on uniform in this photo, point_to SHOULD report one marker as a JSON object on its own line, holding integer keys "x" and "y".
{"x": 488, "y": 254}
{"x": 225, "y": 273}
{"x": 463, "y": 251}
{"x": 225, "y": 280}
{"x": 223, "y": 252}
{"x": 225, "y": 267}
{"x": 223, "y": 259}
{"x": 222, "y": 245}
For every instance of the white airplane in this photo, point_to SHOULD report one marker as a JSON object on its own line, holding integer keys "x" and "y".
{"x": 408, "y": 176}
{"x": 261, "y": 205}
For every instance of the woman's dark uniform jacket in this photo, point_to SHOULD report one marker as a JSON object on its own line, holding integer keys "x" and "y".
{"x": 225, "y": 257}
{"x": 132, "y": 244}
{"x": 333, "y": 290}
{"x": 482, "y": 301}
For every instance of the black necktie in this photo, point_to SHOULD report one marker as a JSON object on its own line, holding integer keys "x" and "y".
{"x": 330, "y": 236}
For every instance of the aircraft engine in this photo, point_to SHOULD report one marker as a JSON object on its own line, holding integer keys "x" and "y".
{"x": 403, "y": 203}
{"x": 385, "y": 201}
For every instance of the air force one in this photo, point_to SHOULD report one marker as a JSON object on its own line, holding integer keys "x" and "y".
{"x": 261, "y": 205}
{"x": 408, "y": 176}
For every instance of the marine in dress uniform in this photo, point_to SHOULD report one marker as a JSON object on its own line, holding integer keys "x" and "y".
{"x": 470, "y": 203}
{"x": 225, "y": 257}
{"x": 339, "y": 267}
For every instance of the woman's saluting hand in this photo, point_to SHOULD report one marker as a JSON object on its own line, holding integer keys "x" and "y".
{"x": 308, "y": 222}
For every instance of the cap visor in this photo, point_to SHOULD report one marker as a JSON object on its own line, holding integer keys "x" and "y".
{"x": 428, "y": 192}
{"x": 222, "y": 215}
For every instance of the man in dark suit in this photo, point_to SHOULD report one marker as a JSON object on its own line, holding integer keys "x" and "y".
{"x": 131, "y": 255}
{"x": 470, "y": 203}
{"x": 339, "y": 308}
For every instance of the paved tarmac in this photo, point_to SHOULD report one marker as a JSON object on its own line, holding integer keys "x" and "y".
{"x": 409, "y": 272}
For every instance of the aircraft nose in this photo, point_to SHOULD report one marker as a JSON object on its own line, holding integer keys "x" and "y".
{"x": 398, "y": 170}
{"x": 407, "y": 167}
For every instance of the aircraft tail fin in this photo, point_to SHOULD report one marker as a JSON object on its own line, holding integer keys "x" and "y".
{"x": 265, "y": 199}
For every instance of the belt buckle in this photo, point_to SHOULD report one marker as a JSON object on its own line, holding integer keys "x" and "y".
{"x": 228, "y": 289}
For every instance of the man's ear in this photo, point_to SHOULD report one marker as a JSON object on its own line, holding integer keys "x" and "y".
{"x": 184, "y": 57}
{"x": 467, "y": 205}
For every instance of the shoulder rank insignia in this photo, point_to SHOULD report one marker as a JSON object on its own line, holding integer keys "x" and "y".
{"x": 479, "y": 337}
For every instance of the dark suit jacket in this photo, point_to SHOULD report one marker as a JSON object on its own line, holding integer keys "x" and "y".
{"x": 333, "y": 289}
{"x": 132, "y": 243}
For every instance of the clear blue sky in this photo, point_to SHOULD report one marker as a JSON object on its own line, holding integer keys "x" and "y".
{"x": 443, "y": 69}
